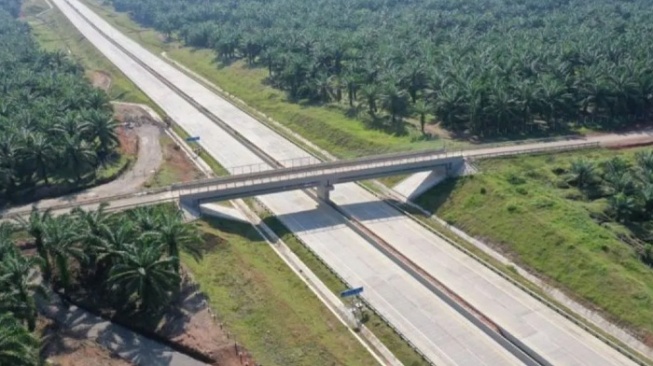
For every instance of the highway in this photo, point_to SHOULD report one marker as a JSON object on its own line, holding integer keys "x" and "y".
{"x": 441, "y": 333}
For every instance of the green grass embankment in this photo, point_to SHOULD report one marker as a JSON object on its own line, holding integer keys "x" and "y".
{"x": 516, "y": 205}
{"x": 265, "y": 305}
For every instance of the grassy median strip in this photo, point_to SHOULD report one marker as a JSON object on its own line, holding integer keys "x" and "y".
{"x": 402, "y": 350}
{"x": 265, "y": 305}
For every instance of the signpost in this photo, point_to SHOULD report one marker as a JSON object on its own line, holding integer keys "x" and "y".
{"x": 354, "y": 306}
{"x": 352, "y": 292}
{"x": 193, "y": 139}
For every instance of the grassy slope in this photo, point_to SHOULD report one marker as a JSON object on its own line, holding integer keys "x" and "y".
{"x": 326, "y": 126}
{"x": 266, "y": 306}
{"x": 53, "y": 32}
{"x": 535, "y": 224}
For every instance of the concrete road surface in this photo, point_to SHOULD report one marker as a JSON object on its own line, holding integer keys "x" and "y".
{"x": 443, "y": 335}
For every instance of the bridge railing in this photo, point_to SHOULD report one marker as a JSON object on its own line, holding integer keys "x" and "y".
{"x": 89, "y": 201}
{"x": 303, "y": 171}
{"x": 322, "y": 168}
{"x": 537, "y": 150}
{"x": 340, "y": 167}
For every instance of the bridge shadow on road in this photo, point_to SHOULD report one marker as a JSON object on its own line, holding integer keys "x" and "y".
{"x": 315, "y": 220}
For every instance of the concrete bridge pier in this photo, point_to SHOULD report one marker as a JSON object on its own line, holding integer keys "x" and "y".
{"x": 323, "y": 190}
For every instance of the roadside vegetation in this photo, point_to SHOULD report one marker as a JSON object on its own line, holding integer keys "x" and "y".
{"x": 55, "y": 128}
{"x": 483, "y": 69}
{"x": 127, "y": 262}
{"x": 54, "y": 33}
{"x": 266, "y": 306}
{"x": 580, "y": 221}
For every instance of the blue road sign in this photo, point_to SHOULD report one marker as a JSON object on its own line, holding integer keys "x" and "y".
{"x": 193, "y": 139}
{"x": 351, "y": 292}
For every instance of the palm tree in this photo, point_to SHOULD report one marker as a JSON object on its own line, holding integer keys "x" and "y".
{"x": 621, "y": 206}
{"x": 60, "y": 242}
{"x": 6, "y": 244}
{"x": 9, "y": 158}
{"x": 144, "y": 276}
{"x": 35, "y": 227}
{"x": 40, "y": 153}
{"x": 370, "y": 93}
{"x": 644, "y": 160}
{"x": 615, "y": 166}
{"x": 421, "y": 108}
{"x": 102, "y": 128}
{"x": 78, "y": 154}
{"x": 646, "y": 195}
{"x": 17, "y": 287}
{"x": 96, "y": 230}
{"x": 619, "y": 182}
{"x": 395, "y": 101}
{"x": 583, "y": 172}
{"x": 18, "y": 347}
{"x": 144, "y": 218}
{"x": 177, "y": 236}
{"x": 97, "y": 100}
{"x": 94, "y": 222}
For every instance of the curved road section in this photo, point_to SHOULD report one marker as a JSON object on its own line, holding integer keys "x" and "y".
{"x": 442, "y": 334}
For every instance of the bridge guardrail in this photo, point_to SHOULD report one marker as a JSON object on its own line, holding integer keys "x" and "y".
{"x": 89, "y": 201}
{"x": 313, "y": 169}
{"x": 535, "y": 150}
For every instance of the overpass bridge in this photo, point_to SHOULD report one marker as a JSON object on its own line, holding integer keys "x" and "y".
{"x": 263, "y": 179}
{"x": 322, "y": 176}
{"x": 249, "y": 181}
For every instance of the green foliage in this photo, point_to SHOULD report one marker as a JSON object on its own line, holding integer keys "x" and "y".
{"x": 588, "y": 242}
{"x": 487, "y": 67}
{"x": 582, "y": 172}
{"x": 18, "y": 347}
{"x": 143, "y": 273}
{"x": 268, "y": 307}
{"x": 16, "y": 283}
{"x": 53, "y": 124}
{"x": 130, "y": 260}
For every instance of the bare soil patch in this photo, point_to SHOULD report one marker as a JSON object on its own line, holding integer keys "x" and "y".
{"x": 133, "y": 114}
{"x": 130, "y": 116}
{"x": 128, "y": 141}
{"x": 100, "y": 80}
{"x": 62, "y": 347}
{"x": 192, "y": 324}
{"x": 179, "y": 163}
{"x": 187, "y": 325}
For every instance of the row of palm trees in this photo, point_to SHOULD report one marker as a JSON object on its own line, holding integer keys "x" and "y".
{"x": 487, "y": 67}
{"x": 54, "y": 126}
{"x": 628, "y": 189}
{"x": 133, "y": 257}
{"x": 125, "y": 261}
